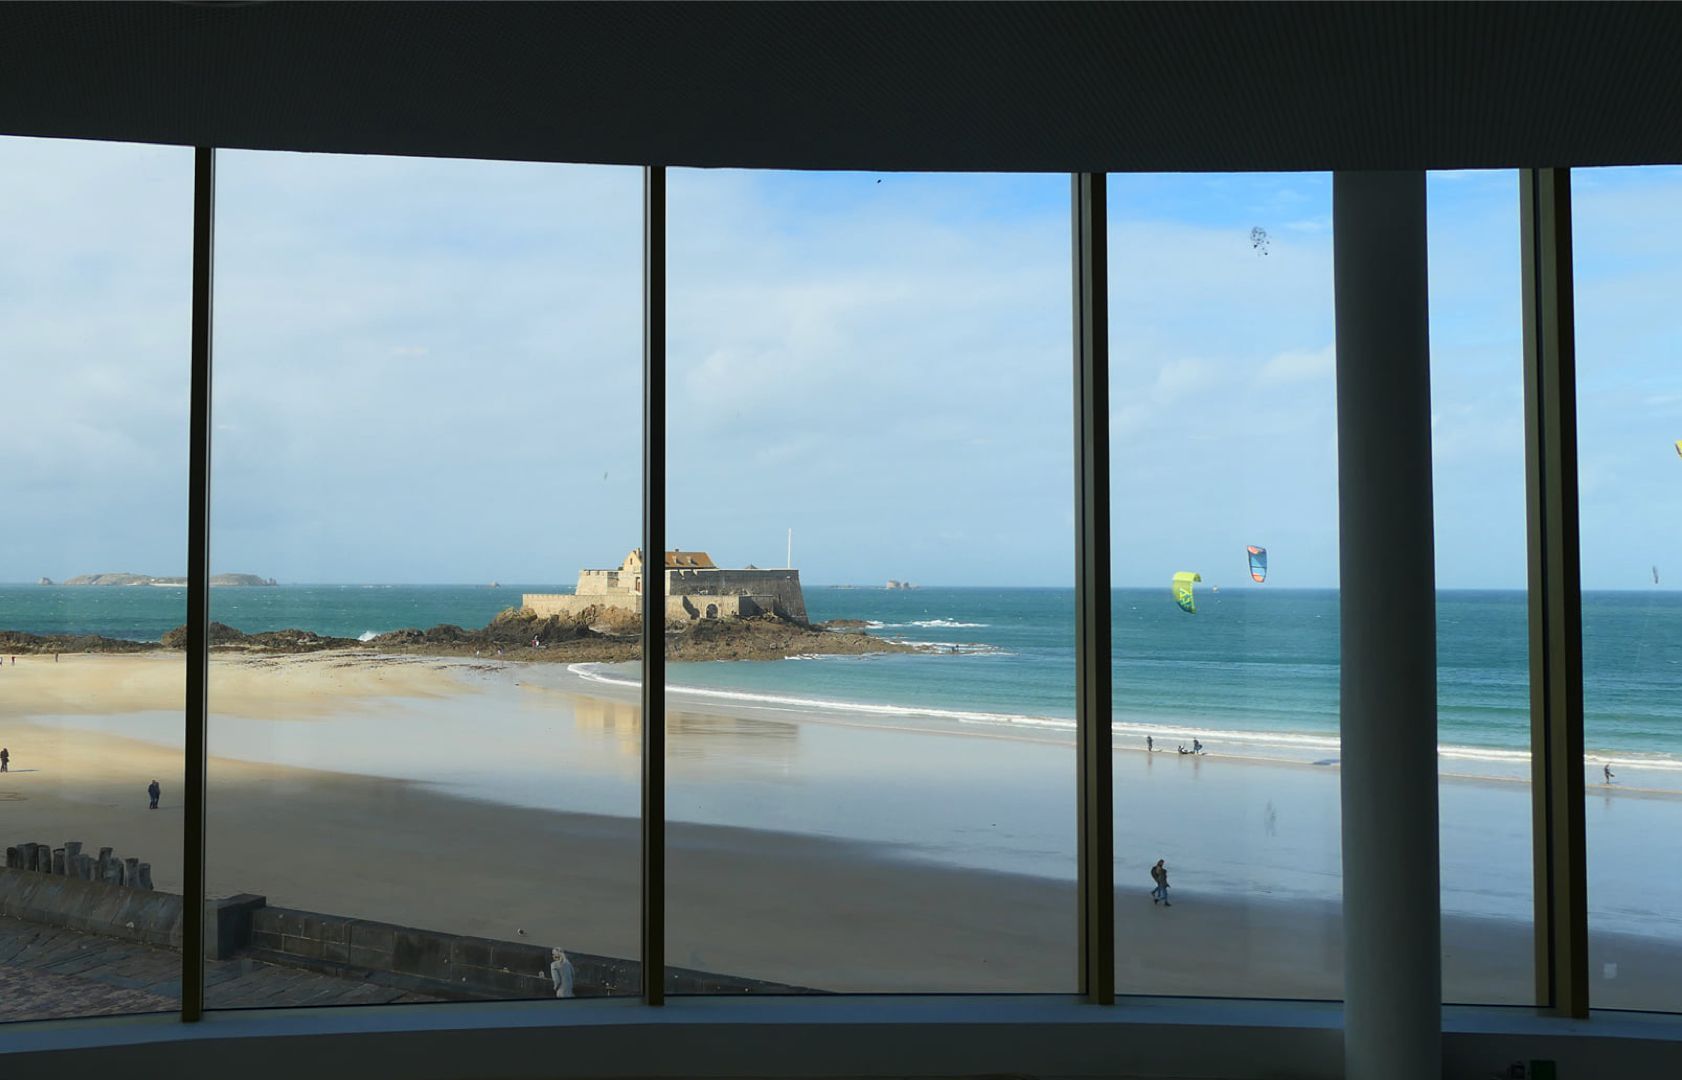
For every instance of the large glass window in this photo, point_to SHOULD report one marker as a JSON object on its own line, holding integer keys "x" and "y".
{"x": 95, "y": 273}
{"x": 1483, "y": 657}
{"x": 427, "y": 415}
{"x": 1225, "y": 540}
{"x": 871, "y": 767}
{"x": 1628, "y": 252}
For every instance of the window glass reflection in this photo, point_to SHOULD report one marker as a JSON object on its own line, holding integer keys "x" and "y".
{"x": 95, "y": 265}
{"x": 871, "y": 767}
{"x": 427, "y": 415}
{"x": 1627, "y": 228}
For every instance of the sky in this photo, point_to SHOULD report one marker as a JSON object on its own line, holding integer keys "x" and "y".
{"x": 430, "y": 371}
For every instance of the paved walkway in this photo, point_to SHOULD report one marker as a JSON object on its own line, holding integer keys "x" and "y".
{"x": 49, "y": 973}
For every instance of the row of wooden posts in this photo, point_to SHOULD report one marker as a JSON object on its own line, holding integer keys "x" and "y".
{"x": 69, "y": 861}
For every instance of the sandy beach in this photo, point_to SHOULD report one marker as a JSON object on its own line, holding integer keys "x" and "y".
{"x": 488, "y": 843}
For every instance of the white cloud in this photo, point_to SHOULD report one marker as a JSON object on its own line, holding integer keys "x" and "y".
{"x": 426, "y": 367}
{"x": 1300, "y": 365}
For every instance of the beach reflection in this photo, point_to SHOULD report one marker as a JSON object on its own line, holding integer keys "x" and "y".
{"x": 617, "y": 723}
{"x": 690, "y": 736}
{"x": 699, "y": 737}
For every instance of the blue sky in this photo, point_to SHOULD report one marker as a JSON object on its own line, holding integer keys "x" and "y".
{"x": 430, "y": 370}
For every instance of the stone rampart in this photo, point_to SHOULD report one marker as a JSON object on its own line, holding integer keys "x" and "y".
{"x": 781, "y": 587}
{"x": 600, "y": 582}
{"x": 568, "y": 606}
{"x": 690, "y": 594}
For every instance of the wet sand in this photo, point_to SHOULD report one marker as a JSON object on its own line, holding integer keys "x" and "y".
{"x": 816, "y": 911}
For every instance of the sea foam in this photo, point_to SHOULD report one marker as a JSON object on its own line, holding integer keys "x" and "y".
{"x": 1298, "y": 747}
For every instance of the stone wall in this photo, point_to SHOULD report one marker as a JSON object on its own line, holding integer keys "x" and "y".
{"x": 92, "y": 907}
{"x": 126, "y": 912}
{"x": 458, "y": 966}
{"x": 601, "y": 582}
{"x": 733, "y": 593}
{"x": 445, "y": 965}
{"x": 781, "y": 587}
{"x": 569, "y": 606}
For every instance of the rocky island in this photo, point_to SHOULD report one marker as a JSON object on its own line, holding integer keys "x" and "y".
{"x": 712, "y": 613}
{"x": 217, "y": 580}
{"x": 594, "y": 636}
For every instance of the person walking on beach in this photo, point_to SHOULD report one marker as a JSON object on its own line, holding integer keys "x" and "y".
{"x": 1159, "y": 874}
{"x": 5, "y": 759}
{"x": 560, "y": 972}
{"x": 1607, "y": 769}
{"x": 1196, "y": 747}
{"x": 154, "y": 790}
{"x": 1150, "y": 745}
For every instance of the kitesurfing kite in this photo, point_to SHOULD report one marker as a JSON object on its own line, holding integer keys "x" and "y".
{"x": 1679, "y": 447}
{"x": 1182, "y": 591}
{"x": 1258, "y": 563}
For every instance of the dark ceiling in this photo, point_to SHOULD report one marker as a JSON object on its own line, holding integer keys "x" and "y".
{"x": 1054, "y": 87}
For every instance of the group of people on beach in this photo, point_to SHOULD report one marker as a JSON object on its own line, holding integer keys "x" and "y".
{"x": 1196, "y": 746}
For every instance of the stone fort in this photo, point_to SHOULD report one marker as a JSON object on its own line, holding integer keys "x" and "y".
{"x": 696, "y": 589}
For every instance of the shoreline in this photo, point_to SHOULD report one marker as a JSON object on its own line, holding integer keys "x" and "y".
{"x": 1059, "y": 732}
{"x": 426, "y": 674}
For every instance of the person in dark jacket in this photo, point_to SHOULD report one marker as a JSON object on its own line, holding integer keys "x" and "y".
{"x": 154, "y": 791}
{"x": 1159, "y": 874}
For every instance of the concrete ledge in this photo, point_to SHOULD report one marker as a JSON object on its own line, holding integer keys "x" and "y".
{"x": 94, "y": 907}
{"x": 839, "y": 1036}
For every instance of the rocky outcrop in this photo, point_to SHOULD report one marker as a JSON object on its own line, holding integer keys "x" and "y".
{"x": 223, "y": 636}
{"x": 517, "y": 634}
{"x": 15, "y": 641}
{"x": 45, "y": 581}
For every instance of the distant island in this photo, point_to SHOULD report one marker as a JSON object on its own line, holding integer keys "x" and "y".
{"x": 220, "y": 580}
{"x": 712, "y": 613}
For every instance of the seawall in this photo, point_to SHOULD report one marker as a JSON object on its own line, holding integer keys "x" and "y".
{"x": 429, "y": 961}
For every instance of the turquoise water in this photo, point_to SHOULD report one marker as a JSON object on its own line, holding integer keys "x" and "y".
{"x": 1256, "y": 664}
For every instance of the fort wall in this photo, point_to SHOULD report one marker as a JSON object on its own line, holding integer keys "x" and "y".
{"x": 690, "y": 594}
{"x": 782, "y": 587}
{"x": 602, "y": 582}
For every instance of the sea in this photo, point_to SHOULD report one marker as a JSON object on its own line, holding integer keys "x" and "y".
{"x": 1253, "y": 672}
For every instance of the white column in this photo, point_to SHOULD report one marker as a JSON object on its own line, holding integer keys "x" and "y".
{"x": 1391, "y": 903}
